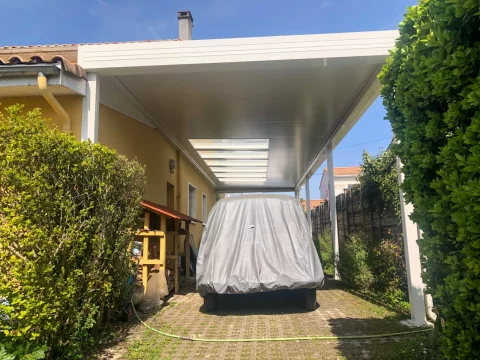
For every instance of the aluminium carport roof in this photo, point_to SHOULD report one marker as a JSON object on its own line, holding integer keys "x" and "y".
{"x": 253, "y": 114}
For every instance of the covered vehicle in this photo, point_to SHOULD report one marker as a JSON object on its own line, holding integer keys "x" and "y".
{"x": 257, "y": 243}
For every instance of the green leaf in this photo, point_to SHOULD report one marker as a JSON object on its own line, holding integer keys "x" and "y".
{"x": 4, "y": 355}
{"x": 37, "y": 354}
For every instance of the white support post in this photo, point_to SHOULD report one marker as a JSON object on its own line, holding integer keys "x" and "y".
{"x": 90, "y": 109}
{"x": 297, "y": 194}
{"x": 333, "y": 209}
{"x": 307, "y": 204}
{"x": 416, "y": 294}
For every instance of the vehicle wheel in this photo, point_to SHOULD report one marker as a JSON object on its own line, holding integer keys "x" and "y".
{"x": 210, "y": 302}
{"x": 310, "y": 299}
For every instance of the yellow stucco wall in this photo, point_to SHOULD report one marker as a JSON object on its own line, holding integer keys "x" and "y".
{"x": 71, "y": 103}
{"x": 136, "y": 141}
{"x": 139, "y": 141}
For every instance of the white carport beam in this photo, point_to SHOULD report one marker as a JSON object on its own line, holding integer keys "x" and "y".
{"x": 127, "y": 58}
{"x": 90, "y": 109}
{"x": 333, "y": 209}
{"x": 307, "y": 205}
{"x": 412, "y": 260}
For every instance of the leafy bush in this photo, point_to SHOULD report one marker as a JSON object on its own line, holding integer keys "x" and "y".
{"x": 431, "y": 89}
{"x": 353, "y": 265}
{"x": 387, "y": 262}
{"x": 323, "y": 244}
{"x": 67, "y": 213}
{"x": 377, "y": 271}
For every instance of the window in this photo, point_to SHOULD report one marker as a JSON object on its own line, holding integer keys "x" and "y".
{"x": 204, "y": 208}
{"x": 192, "y": 200}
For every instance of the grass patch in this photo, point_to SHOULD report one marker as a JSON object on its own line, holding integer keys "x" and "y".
{"x": 402, "y": 307}
{"x": 154, "y": 346}
{"x": 412, "y": 347}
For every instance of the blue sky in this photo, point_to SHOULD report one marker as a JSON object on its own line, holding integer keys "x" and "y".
{"x": 124, "y": 20}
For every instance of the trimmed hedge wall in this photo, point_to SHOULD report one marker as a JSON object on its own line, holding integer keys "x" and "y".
{"x": 431, "y": 89}
{"x": 68, "y": 211}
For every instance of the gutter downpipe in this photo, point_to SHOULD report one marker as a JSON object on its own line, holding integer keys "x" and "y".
{"x": 48, "y": 96}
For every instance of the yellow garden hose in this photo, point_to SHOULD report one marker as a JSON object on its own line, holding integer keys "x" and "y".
{"x": 347, "y": 337}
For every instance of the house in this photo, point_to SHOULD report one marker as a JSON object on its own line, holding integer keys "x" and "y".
{"x": 313, "y": 204}
{"x": 206, "y": 117}
{"x": 50, "y": 77}
{"x": 344, "y": 178}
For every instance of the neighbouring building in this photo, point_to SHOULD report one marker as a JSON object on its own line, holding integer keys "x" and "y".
{"x": 344, "y": 178}
{"x": 313, "y": 204}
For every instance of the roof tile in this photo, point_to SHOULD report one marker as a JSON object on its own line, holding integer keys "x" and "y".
{"x": 65, "y": 53}
{"x": 347, "y": 170}
{"x": 313, "y": 204}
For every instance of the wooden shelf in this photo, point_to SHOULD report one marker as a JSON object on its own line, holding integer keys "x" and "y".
{"x": 151, "y": 233}
{"x": 147, "y": 233}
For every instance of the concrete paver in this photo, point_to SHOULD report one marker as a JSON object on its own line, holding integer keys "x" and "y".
{"x": 340, "y": 313}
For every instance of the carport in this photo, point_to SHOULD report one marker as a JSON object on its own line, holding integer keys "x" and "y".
{"x": 252, "y": 114}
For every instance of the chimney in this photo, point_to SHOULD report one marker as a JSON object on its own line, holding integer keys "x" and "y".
{"x": 185, "y": 25}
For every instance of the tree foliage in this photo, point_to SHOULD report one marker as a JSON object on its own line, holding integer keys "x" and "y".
{"x": 67, "y": 213}
{"x": 431, "y": 89}
{"x": 379, "y": 183}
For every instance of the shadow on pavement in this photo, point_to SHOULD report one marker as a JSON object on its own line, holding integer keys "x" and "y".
{"x": 403, "y": 347}
{"x": 267, "y": 303}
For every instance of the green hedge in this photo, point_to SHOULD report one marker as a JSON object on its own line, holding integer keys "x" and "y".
{"x": 67, "y": 213}
{"x": 323, "y": 245}
{"x": 353, "y": 264}
{"x": 431, "y": 89}
{"x": 387, "y": 263}
{"x": 376, "y": 269}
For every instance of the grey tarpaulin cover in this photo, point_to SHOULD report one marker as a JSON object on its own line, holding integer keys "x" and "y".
{"x": 257, "y": 243}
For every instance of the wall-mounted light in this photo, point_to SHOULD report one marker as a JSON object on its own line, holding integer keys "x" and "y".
{"x": 172, "y": 164}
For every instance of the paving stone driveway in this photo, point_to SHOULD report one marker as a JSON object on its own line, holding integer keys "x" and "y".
{"x": 340, "y": 313}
